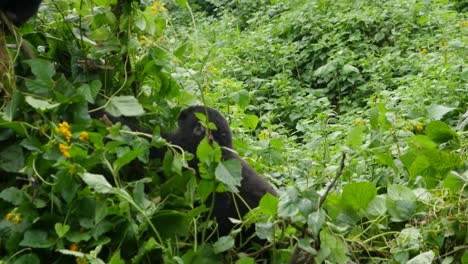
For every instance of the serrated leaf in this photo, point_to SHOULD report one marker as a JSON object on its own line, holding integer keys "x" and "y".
{"x": 250, "y": 122}
{"x": 97, "y": 182}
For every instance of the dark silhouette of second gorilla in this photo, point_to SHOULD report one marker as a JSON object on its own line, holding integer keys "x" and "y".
{"x": 19, "y": 11}
{"x": 188, "y": 136}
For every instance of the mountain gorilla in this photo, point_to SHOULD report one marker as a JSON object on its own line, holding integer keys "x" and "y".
{"x": 19, "y": 11}
{"x": 189, "y": 134}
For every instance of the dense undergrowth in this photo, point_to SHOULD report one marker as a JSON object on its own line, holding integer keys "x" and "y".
{"x": 370, "y": 93}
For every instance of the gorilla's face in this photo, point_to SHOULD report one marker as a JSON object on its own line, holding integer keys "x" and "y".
{"x": 190, "y": 131}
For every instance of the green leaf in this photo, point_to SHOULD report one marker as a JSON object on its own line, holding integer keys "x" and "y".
{"x": 347, "y": 68}
{"x": 10, "y": 110}
{"x": 421, "y": 142}
{"x": 440, "y": 132}
{"x": 61, "y": 229}
{"x": 377, "y": 206}
{"x": 355, "y": 136}
{"x": 205, "y": 188}
{"x": 269, "y": 204}
{"x": 422, "y": 258}
{"x": 12, "y": 159}
{"x": 36, "y": 239}
{"x": 223, "y": 244}
{"x": 242, "y": 99}
{"x": 42, "y": 69}
{"x": 250, "y": 122}
{"x": 127, "y": 158}
{"x": 245, "y": 260}
{"x": 97, "y": 182}
{"x": 229, "y": 172}
{"x": 436, "y": 111}
{"x": 265, "y": 230}
{"x": 12, "y": 195}
{"x": 315, "y": 221}
{"x": 455, "y": 182}
{"x": 357, "y": 195}
{"x": 124, "y": 105}
{"x": 332, "y": 248}
{"x": 90, "y": 91}
{"x": 40, "y": 105}
{"x": 183, "y": 3}
{"x": 116, "y": 259}
{"x": 105, "y": 2}
{"x": 28, "y": 258}
{"x": 287, "y": 207}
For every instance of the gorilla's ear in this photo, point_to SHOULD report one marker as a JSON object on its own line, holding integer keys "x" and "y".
{"x": 198, "y": 130}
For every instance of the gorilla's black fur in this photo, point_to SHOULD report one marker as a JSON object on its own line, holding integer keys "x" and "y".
{"x": 19, "y": 11}
{"x": 188, "y": 136}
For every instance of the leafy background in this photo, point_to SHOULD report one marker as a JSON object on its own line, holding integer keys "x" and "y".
{"x": 300, "y": 82}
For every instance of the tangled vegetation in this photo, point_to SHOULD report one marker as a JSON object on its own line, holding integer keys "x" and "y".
{"x": 355, "y": 110}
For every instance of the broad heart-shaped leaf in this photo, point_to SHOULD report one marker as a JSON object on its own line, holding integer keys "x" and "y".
{"x": 357, "y": 195}
{"x": 440, "y": 132}
{"x": 223, "y": 244}
{"x": 97, "y": 182}
{"x": 436, "y": 112}
{"x": 40, "y": 105}
{"x": 229, "y": 172}
{"x": 126, "y": 105}
{"x": 36, "y": 239}
{"x": 61, "y": 229}
{"x": 12, "y": 159}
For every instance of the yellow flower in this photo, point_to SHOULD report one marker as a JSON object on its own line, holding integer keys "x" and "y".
{"x": 157, "y": 7}
{"x": 359, "y": 122}
{"x": 17, "y": 219}
{"x": 74, "y": 247}
{"x": 84, "y": 136}
{"x": 423, "y": 51}
{"x": 419, "y": 127}
{"x": 81, "y": 260}
{"x": 444, "y": 43}
{"x": 65, "y": 150}
{"x": 64, "y": 129}
{"x": 9, "y": 216}
{"x": 72, "y": 170}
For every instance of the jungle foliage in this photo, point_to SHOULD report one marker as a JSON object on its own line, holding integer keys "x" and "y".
{"x": 355, "y": 110}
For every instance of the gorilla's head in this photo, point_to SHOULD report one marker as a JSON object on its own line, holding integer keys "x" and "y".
{"x": 190, "y": 131}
